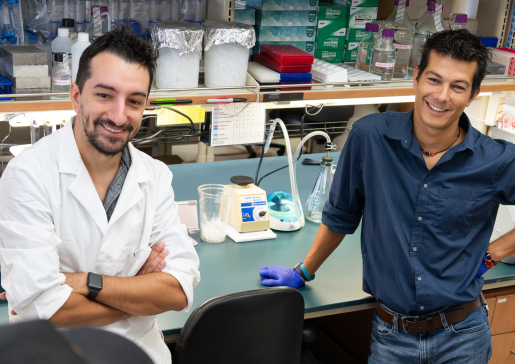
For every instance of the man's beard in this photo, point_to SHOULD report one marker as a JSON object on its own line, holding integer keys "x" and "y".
{"x": 114, "y": 145}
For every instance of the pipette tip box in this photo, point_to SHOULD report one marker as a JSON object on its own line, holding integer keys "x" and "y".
{"x": 286, "y": 54}
{"x": 282, "y": 68}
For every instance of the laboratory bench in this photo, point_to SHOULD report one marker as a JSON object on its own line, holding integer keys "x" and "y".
{"x": 232, "y": 267}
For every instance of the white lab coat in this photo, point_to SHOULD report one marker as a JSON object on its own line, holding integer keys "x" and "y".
{"x": 52, "y": 220}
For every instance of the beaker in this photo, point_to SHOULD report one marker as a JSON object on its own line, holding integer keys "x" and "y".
{"x": 320, "y": 193}
{"x": 214, "y": 201}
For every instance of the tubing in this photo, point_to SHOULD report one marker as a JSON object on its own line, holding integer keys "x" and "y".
{"x": 299, "y": 213}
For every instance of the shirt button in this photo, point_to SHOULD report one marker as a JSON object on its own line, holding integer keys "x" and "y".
{"x": 414, "y": 248}
{"x": 419, "y": 218}
{"x": 419, "y": 278}
{"x": 425, "y": 185}
{"x": 421, "y": 308}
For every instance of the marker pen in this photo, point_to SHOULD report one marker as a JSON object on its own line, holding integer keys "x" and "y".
{"x": 225, "y": 100}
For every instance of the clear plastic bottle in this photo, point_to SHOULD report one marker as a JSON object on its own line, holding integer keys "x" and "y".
{"x": 14, "y": 9}
{"x": 7, "y": 28}
{"x": 77, "y": 49}
{"x": 154, "y": 10}
{"x": 61, "y": 75}
{"x": 382, "y": 61}
{"x": 175, "y": 11}
{"x": 458, "y": 21}
{"x": 400, "y": 21}
{"x": 320, "y": 193}
{"x": 79, "y": 16}
{"x": 164, "y": 15}
{"x": 63, "y": 43}
{"x": 434, "y": 23}
{"x": 426, "y": 14}
{"x": 366, "y": 46}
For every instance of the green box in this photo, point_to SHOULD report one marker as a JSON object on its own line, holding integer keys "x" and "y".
{"x": 286, "y": 18}
{"x": 330, "y": 43}
{"x": 332, "y": 26}
{"x": 355, "y": 35}
{"x": 359, "y": 16}
{"x": 331, "y": 56}
{"x": 365, "y": 3}
{"x": 351, "y": 52}
{"x": 303, "y": 46}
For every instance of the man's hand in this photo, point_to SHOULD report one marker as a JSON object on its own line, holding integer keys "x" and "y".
{"x": 3, "y": 296}
{"x": 280, "y": 276}
{"x": 156, "y": 260}
{"x": 78, "y": 281}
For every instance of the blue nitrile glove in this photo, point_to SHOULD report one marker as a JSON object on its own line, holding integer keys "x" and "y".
{"x": 482, "y": 269}
{"x": 280, "y": 276}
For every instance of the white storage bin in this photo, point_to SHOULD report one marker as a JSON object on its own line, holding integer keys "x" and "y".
{"x": 180, "y": 45}
{"x": 226, "y": 53}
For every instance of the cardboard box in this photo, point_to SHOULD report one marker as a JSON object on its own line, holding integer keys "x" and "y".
{"x": 286, "y": 34}
{"x": 359, "y": 3}
{"x": 359, "y": 16}
{"x": 330, "y": 56}
{"x": 351, "y": 52}
{"x": 355, "y": 35}
{"x": 246, "y": 15}
{"x": 283, "y": 4}
{"x": 332, "y": 26}
{"x": 303, "y": 46}
{"x": 506, "y": 58}
{"x": 286, "y": 18}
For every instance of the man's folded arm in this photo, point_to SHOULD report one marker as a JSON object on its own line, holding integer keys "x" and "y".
{"x": 81, "y": 311}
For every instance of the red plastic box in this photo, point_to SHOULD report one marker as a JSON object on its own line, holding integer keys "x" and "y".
{"x": 281, "y": 68}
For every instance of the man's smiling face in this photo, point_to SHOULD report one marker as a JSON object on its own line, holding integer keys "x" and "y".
{"x": 112, "y": 102}
{"x": 443, "y": 91}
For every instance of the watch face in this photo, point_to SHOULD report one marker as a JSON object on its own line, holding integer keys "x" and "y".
{"x": 95, "y": 281}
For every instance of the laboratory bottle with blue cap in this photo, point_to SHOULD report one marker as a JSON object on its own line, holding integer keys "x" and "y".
{"x": 320, "y": 194}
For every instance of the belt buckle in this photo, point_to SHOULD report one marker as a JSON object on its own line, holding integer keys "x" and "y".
{"x": 403, "y": 320}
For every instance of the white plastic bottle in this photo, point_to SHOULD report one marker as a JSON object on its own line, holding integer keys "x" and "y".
{"x": 77, "y": 49}
{"x": 63, "y": 43}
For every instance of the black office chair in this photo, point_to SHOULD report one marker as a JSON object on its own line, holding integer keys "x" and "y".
{"x": 251, "y": 327}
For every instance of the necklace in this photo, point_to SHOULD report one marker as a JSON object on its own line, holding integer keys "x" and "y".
{"x": 432, "y": 154}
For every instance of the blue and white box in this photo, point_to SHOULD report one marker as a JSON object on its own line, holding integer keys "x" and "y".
{"x": 285, "y": 34}
{"x": 286, "y": 18}
{"x": 308, "y": 47}
{"x": 283, "y": 4}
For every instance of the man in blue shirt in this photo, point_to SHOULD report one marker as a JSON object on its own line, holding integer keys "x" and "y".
{"x": 427, "y": 187}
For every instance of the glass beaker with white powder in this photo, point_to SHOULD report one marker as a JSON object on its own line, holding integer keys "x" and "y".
{"x": 214, "y": 201}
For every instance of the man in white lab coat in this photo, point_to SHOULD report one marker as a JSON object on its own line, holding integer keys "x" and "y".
{"x": 89, "y": 229}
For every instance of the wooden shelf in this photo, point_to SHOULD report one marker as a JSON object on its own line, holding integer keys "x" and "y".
{"x": 200, "y": 96}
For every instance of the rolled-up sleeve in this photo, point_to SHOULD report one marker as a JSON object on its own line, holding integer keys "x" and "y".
{"x": 343, "y": 210}
{"x": 182, "y": 261}
{"x": 29, "y": 247}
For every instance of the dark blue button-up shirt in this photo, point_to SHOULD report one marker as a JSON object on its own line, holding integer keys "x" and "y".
{"x": 424, "y": 232}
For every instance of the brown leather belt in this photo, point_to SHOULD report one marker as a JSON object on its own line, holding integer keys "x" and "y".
{"x": 429, "y": 323}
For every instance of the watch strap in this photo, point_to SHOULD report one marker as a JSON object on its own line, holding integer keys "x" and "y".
{"x": 93, "y": 291}
{"x": 303, "y": 272}
{"x": 489, "y": 262}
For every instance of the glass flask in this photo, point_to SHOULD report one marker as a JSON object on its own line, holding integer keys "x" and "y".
{"x": 320, "y": 193}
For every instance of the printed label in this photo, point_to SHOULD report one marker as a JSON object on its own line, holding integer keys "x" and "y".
{"x": 312, "y": 16}
{"x": 502, "y": 300}
{"x": 309, "y": 47}
{"x": 313, "y": 2}
{"x": 402, "y": 46}
{"x": 62, "y": 82}
{"x": 323, "y": 23}
{"x": 251, "y": 206}
{"x": 385, "y": 65}
{"x": 310, "y": 31}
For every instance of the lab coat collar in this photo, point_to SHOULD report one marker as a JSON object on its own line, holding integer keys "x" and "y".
{"x": 83, "y": 188}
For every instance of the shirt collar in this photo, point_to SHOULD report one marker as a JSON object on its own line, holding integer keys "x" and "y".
{"x": 401, "y": 128}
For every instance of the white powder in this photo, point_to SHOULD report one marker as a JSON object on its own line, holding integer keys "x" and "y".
{"x": 213, "y": 230}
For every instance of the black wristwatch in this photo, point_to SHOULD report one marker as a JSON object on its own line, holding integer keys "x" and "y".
{"x": 94, "y": 285}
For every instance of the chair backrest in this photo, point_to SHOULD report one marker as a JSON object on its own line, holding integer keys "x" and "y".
{"x": 251, "y": 327}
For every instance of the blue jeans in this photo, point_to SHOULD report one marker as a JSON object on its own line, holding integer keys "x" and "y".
{"x": 465, "y": 342}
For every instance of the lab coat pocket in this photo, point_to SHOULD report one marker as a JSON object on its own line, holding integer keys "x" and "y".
{"x": 135, "y": 259}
